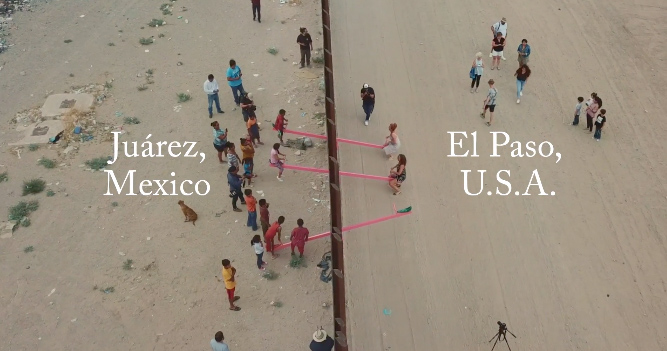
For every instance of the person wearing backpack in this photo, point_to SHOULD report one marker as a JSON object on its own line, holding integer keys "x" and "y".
{"x": 499, "y": 27}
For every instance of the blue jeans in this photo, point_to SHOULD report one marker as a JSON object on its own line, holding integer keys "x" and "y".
{"x": 598, "y": 133}
{"x": 236, "y": 91}
{"x": 519, "y": 88}
{"x": 252, "y": 220}
{"x": 368, "y": 109}
{"x": 213, "y": 98}
{"x": 259, "y": 260}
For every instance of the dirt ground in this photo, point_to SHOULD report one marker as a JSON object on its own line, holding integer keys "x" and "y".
{"x": 581, "y": 270}
{"x": 53, "y": 297}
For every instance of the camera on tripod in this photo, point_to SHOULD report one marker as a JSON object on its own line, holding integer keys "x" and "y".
{"x": 502, "y": 325}
{"x": 501, "y": 335}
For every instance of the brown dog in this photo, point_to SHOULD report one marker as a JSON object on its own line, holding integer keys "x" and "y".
{"x": 190, "y": 215}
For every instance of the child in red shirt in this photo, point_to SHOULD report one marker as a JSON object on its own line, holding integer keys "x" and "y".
{"x": 299, "y": 237}
{"x": 281, "y": 123}
{"x": 271, "y": 233}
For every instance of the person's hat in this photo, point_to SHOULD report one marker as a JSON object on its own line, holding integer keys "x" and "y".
{"x": 320, "y": 335}
{"x": 504, "y": 19}
{"x": 232, "y": 169}
{"x": 365, "y": 85}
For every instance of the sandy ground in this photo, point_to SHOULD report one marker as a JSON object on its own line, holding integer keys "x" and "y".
{"x": 581, "y": 270}
{"x": 171, "y": 299}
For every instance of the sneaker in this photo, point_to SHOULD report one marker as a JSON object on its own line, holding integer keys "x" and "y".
{"x": 504, "y": 59}
{"x": 366, "y": 123}
{"x": 221, "y": 111}
{"x": 279, "y": 179}
{"x": 210, "y": 115}
{"x": 597, "y": 139}
{"x": 518, "y": 101}
{"x": 237, "y": 210}
{"x": 521, "y": 93}
{"x": 491, "y": 55}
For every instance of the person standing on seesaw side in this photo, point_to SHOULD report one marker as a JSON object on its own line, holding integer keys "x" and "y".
{"x": 368, "y": 101}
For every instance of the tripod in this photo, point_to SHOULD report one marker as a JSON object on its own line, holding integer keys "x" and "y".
{"x": 502, "y": 330}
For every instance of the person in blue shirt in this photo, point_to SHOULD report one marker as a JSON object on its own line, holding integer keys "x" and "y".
{"x": 218, "y": 343}
{"x": 524, "y": 52}
{"x": 235, "y": 82}
{"x": 235, "y": 183}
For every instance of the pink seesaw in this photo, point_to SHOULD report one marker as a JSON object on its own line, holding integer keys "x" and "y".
{"x": 340, "y": 140}
{"x": 322, "y": 170}
{"x": 397, "y": 214}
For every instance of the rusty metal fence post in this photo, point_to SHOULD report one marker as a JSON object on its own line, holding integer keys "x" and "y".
{"x": 338, "y": 281}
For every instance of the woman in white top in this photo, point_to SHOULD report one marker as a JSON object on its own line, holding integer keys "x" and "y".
{"x": 391, "y": 143}
{"x": 478, "y": 66}
{"x": 256, "y": 243}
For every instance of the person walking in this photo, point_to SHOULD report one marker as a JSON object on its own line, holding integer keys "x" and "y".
{"x": 235, "y": 183}
{"x": 235, "y": 81}
{"x": 211, "y": 88}
{"x": 367, "y": 101}
{"x": 490, "y": 102}
{"x": 478, "y": 67}
{"x": 524, "y": 52}
{"x": 256, "y": 10}
{"x": 398, "y": 174}
{"x": 391, "y": 143}
{"x": 218, "y": 342}
{"x": 321, "y": 341}
{"x": 305, "y": 45}
{"x": 219, "y": 140}
{"x": 497, "y": 46}
{"x": 522, "y": 75}
{"x": 499, "y": 27}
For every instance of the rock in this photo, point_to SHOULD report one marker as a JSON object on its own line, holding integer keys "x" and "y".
{"x": 22, "y": 73}
{"x": 307, "y": 142}
{"x": 298, "y": 153}
{"x": 8, "y": 229}
{"x": 68, "y": 150}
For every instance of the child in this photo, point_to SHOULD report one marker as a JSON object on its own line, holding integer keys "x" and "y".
{"x": 281, "y": 123}
{"x": 590, "y": 101}
{"x": 299, "y": 237}
{"x": 274, "y": 230}
{"x": 228, "y": 273}
{"x": 599, "y": 123}
{"x": 251, "y": 204}
{"x": 232, "y": 156}
{"x": 253, "y": 130}
{"x": 264, "y": 216}
{"x": 256, "y": 243}
{"x": 577, "y": 111}
{"x": 277, "y": 160}
{"x": 248, "y": 165}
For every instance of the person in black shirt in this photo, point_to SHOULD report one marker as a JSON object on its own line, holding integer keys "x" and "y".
{"x": 368, "y": 101}
{"x": 599, "y": 123}
{"x": 322, "y": 341}
{"x": 247, "y": 106}
{"x": 306, "y": 45}
{"x": 497, "y": 45}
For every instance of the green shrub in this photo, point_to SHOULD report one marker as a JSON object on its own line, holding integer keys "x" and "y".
{"x": 97, "y": 163}
{"x": 33, "y": 186}
{"x": 47, "y": 163}
{"x": 22, "y": 210}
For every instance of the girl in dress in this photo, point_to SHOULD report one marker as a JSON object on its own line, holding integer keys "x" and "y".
{"x": 398, "y": 174}
{"x": 391, "y": 143}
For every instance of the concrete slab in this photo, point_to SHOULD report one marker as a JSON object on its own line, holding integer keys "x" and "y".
{"x": 39, "y": 133}
{"x": 58, "y": 104}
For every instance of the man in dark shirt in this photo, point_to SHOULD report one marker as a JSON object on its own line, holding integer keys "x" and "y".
{"x": 321, "y": 341}
{"x": 306, "y": 46}
{"x": 600, "y": 120}
{"x": 368, "y": 101}
{"x": 256, "y": 7}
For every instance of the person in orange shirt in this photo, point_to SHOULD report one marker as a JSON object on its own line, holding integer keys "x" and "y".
{"x": 228, "y": 274}
{"x": 251, "y": 204}
{"x": 274, "y": 230}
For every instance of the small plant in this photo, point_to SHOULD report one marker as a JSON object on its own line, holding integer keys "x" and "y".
{"x": 22, "y": 210}
{"x": 165, "y": 8}
{"x": 33, "y": 147}
{"x": 33, "y": 186}
{"x": 97, "y": 163}
{"x": 131, "y": 120}
{"x": 47, "y": 163}
{"x": 183, "y": 97}
{"x": 108, "y": 290}
{"x": 25, "y": 222}
{"x": 272, "y": 50}
{"x": 67, "y": 41}
{"x": 71, "y": 75}
{"x": 4, "y": 177}
{"x": 146, "y": 41}
{"x": 156, "y": 23}
{"x": 297, "y": 262}
{"x": 142, "y": 87}
{"x": 108, "y": 85}
{"x": 50, "y": 193}
{"x": 28, "y": 249}
{"x": 111, "y": 44}
{"x": 270, "y": 275}
{"x": 161, "y": 35}
{"x": 120, "y": 31}
{"x": 276, "y": 304}
{"x": 127, "y": 265}
{"x": 114, "y": 204}
{"x": 319, "y": 59}
{"x": 149, "y": 72}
